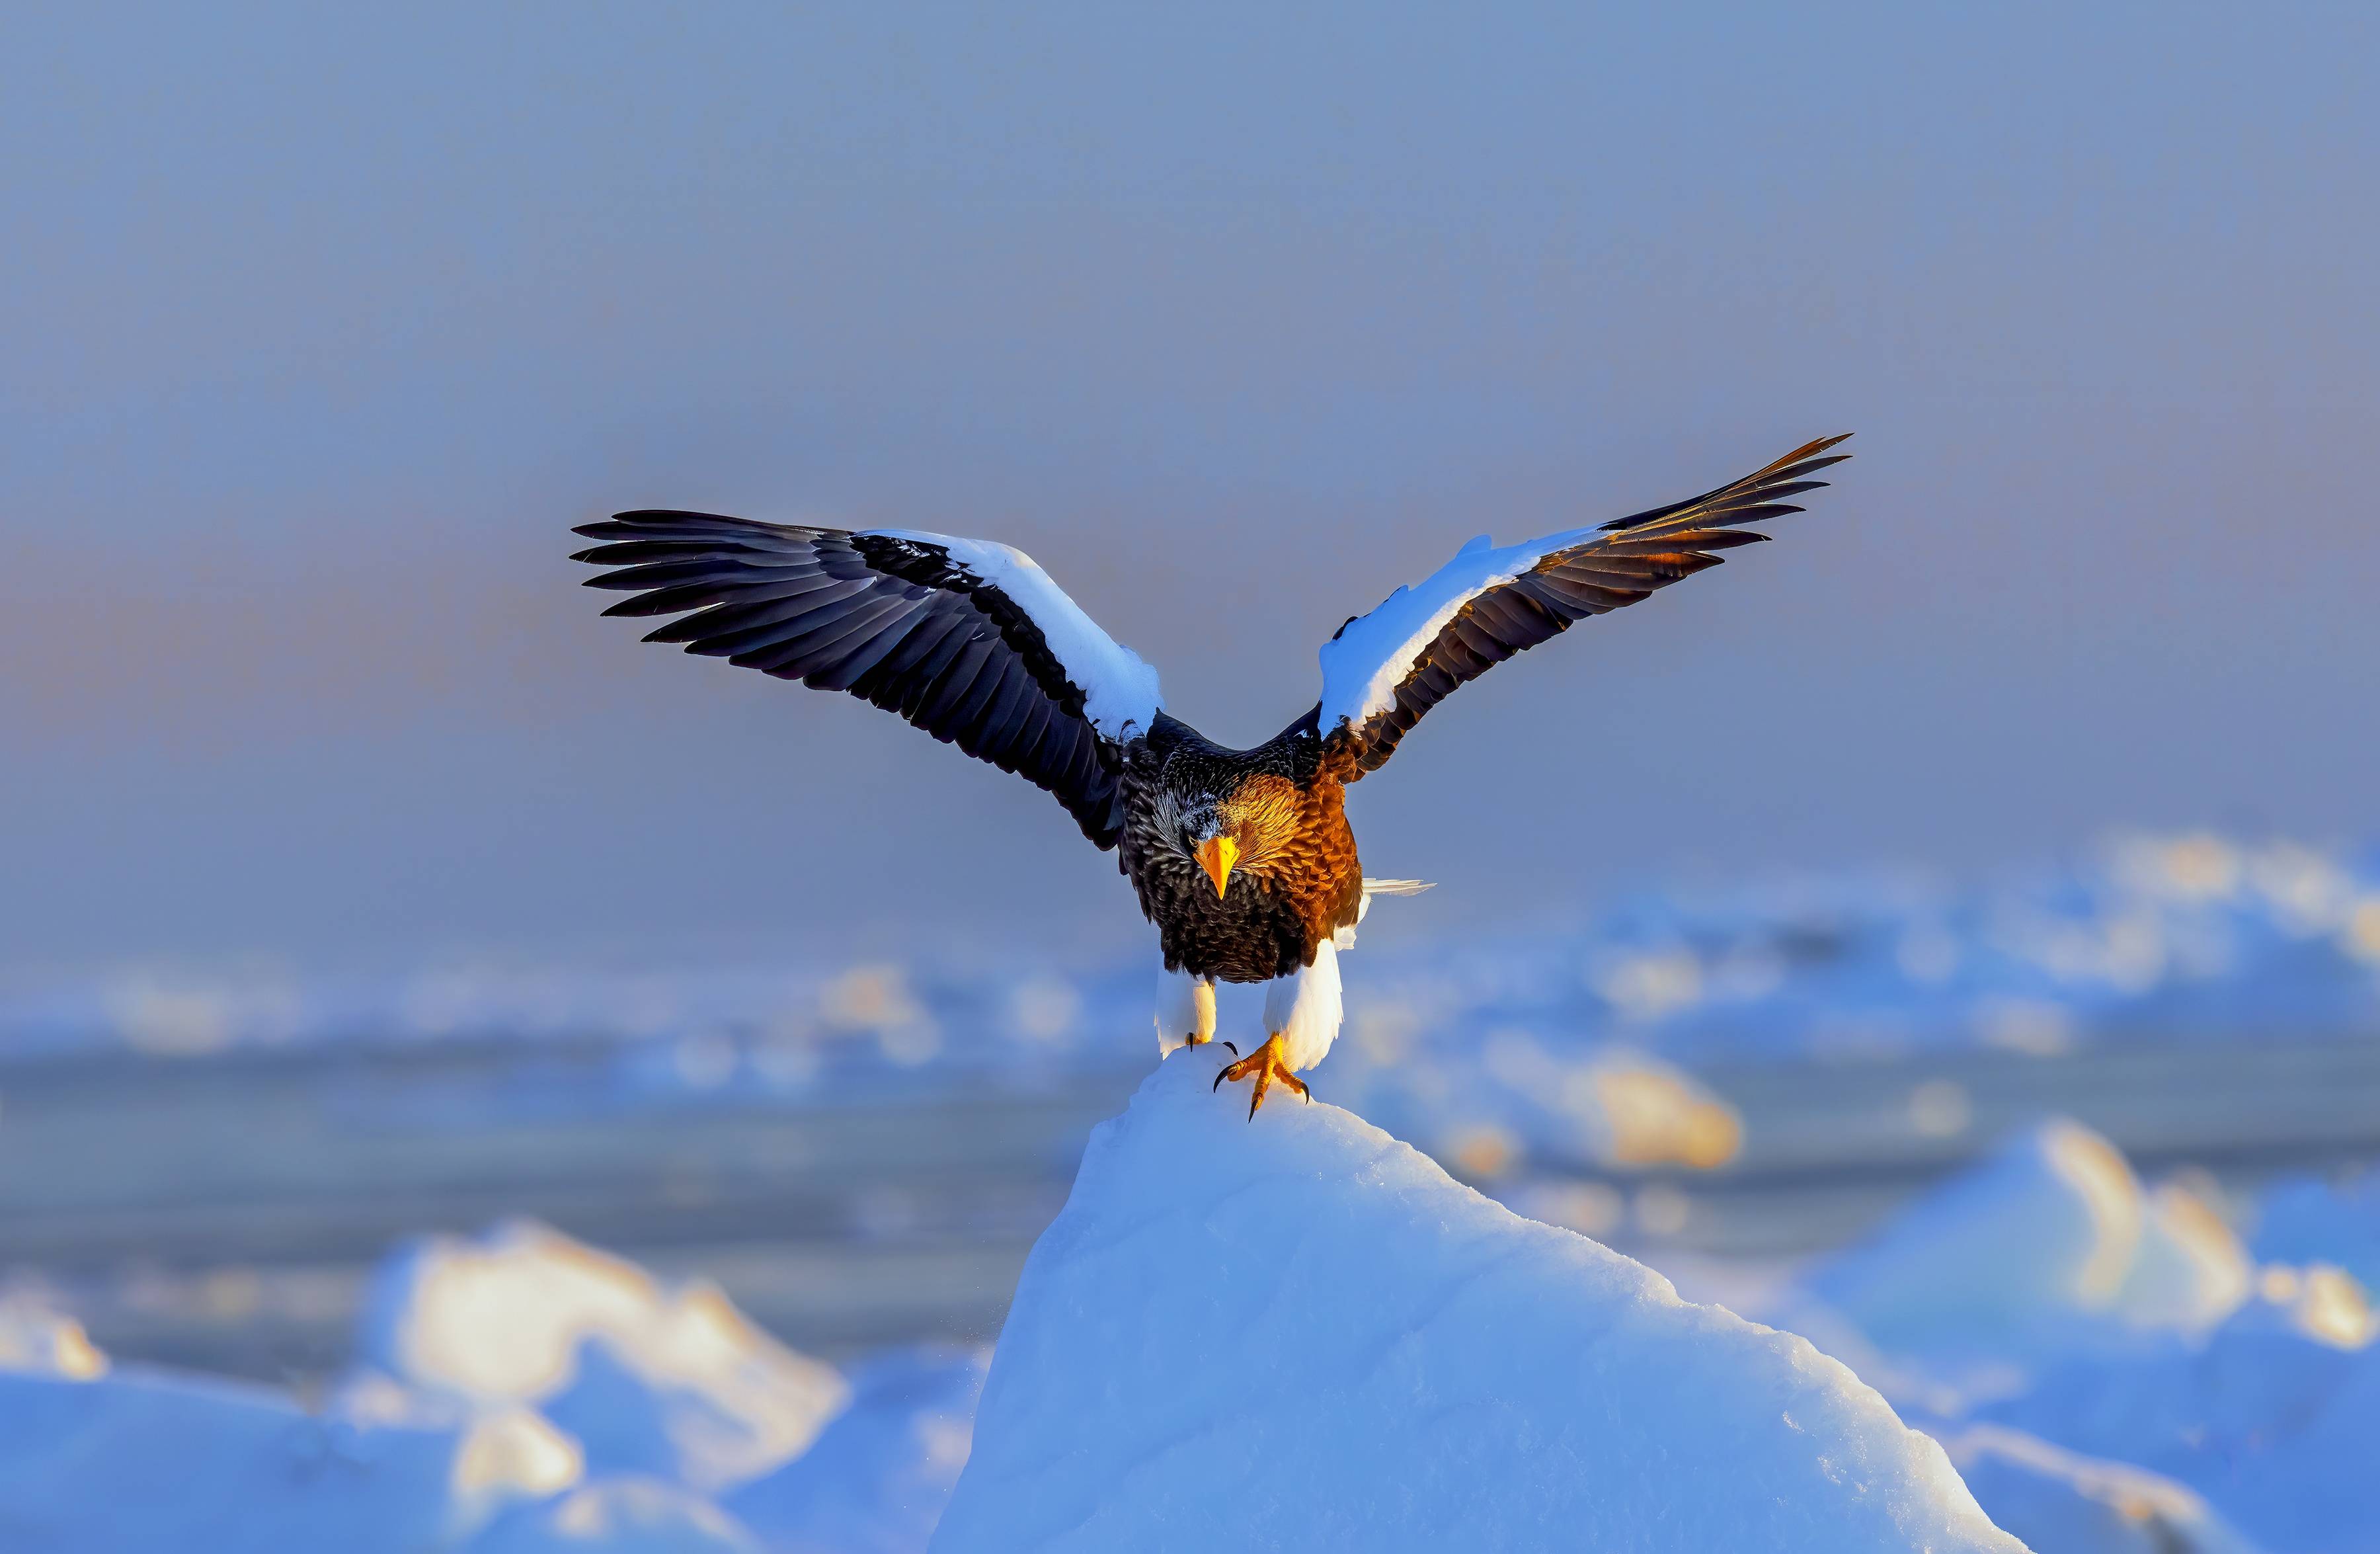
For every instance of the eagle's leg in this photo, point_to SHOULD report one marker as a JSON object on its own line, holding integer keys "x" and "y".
{"x": 1267, "y": 1066}
{"x": 1185, "y": 1011}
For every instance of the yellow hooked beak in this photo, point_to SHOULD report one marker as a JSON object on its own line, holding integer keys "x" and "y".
{"x": 1215, "y": 856}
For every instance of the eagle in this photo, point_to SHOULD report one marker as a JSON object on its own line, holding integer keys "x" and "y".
{"x": 1243, "y": 859}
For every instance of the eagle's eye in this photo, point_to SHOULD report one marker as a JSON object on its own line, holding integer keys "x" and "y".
{"x": 1198, "y": 824}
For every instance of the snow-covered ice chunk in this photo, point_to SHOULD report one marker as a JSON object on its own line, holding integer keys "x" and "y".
{"x": 674, "y": 1381}
{"x": 1296, "y": 1332}
{"x": 877, "y": 1480}
{"x": 2273, "y": 1418}
{"x": 2188, "y": 1272}
{"x": 2046, "y": 1228}
{"x": 2062, "y": 1503}
{"x": 507, "y": 1454}
{"x": 619, "y": 1516}
{"x": 140, "y": 1462}
{"x": 2047, "y": 1246}
{"x": 503, "y": 1451}
{"x": 37, "y": 1340}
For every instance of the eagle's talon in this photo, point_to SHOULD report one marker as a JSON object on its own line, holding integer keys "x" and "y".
{"x": 1265, "y": 1065}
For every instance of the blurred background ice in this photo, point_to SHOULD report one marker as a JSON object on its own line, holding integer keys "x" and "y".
{"x": 207, "y": 1166}
{"x": 2073, "y": 1164}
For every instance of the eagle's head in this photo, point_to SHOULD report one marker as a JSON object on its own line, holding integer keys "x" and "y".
{"x": 1244, "y": 827}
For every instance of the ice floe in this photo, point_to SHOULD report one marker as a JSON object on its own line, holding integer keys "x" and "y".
{"x": 1298, "y": 1332}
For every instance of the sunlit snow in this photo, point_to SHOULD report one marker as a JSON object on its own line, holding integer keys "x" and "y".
{"x": 1299, "y": 1333}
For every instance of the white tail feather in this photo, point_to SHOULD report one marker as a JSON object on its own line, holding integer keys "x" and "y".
{"x": 1345, "y": 938}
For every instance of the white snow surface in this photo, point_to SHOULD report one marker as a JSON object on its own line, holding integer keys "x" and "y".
{"x": 673, "y": 1382}
{"x": 1119, "y": 693}
{"x": 1296, "y": 1332}
{"x": 1363, "y": 664}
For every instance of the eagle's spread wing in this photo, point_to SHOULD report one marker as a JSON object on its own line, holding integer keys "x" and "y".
{"x": 969, "y": 640}
{"x": 1382, "y": 671}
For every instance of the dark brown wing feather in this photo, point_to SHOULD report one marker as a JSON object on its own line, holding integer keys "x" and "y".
{"x": 1629, "y": 559}
{"x": 885, "y": 618}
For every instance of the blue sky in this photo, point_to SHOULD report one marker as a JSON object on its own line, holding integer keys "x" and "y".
{"x": 321, "y": 328}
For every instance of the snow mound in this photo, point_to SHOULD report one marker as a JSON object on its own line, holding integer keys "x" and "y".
{"x": 674, "y": 1382}
{"x": 142, "y": 1462}
{"x": 1299, "y": 1333}
{"x": 2048, "y": 1246}
{"x": 877, "y": 1480}
{"x": 2271, "y": 1418}
{"x": 2060, "y": 1504}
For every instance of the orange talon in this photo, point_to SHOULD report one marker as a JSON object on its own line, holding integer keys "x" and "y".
{"x": 1267, "y": 1066}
